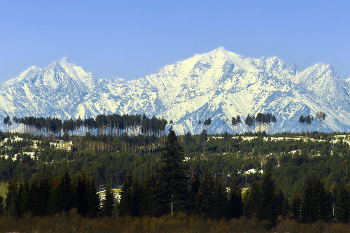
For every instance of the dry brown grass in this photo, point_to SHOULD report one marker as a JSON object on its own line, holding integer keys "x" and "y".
{"x": 178, "y": 223}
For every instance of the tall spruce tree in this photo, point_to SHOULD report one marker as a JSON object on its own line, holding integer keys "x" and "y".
{"x": 173, "y": 176}
{"x": 235, "y": 206}
{"x": 93, "y": 199}
{"x": 12, "y": 200}
{"x": 296, "y": 207}
{"x": 251, "y": 199}
{"x": 342, "y": 205}
{"x": 268, "y": 204}
{"x": 206, "y": 199}
{"x": 316, "y": 203}
{"x": 108, "y": 202}
{"x": 149, "y": 195}
{"x": 66, "y": 192}
{"x": 194, "y": 190}
{"x": 125, "y": 205}
{"x": 221, "y": 201}
{"x": 283, "y": 206}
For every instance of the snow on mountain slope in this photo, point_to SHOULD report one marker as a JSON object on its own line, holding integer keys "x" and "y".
{"x": 219, "y": 84}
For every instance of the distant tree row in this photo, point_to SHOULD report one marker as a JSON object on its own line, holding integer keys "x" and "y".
{"x": 114, "y": 124}
{"x": 320, "y": 117}
{"x": 50, "y": 195}
{"x": 250, "y": 121}
{"x": 263, "y": 121}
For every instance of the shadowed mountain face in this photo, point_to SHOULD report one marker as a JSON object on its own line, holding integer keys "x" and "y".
{"x": 218, "y": 84}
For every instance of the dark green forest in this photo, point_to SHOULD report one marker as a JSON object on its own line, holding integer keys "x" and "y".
{"x": 216, "y": 176}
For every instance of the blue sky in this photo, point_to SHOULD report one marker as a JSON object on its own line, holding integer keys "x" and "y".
{"x": 131, "y": 39}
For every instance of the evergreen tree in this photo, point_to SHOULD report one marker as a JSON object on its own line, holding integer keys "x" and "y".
{"x": 35, "y": 196}
{"x": 66, "y": 192}
{"x": 173, "y": 175}
{"x": 62, "y": 196}
{"x": 44, "y": 193}
{"x": 302, "y": 120}
{"x": 11, "y": 202}
{"x": 251, "y": 200}
{"x": 149, "y": 193}
{"x": 268, "y": 204}
{"x": 283, "y": 206}
{"x": 235, "y": 206}
{"x": 136, "y": 198}
{"x": 308, "y": 120}
{"x": 296, "y": 207}
{"x": 125, "y": 205}
{"x": 24, "y": 197}
{"x": 320, "y": 116}
{"x": 316, "y": 203}
{"x": 274, "y": 120}
{"x": 82, "y": 195}
{"x": 206, "y": 199}
{"x": 108, "y": 202}
{"x": 7, "y": 121}
{"x": 221, "y": 201}
{"x": 342, "y": 205}
{"x": 194, "y": 190}
{"x": 93, "y": 199}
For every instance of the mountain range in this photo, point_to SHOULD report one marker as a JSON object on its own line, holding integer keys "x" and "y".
{"x": 219, "y": 84}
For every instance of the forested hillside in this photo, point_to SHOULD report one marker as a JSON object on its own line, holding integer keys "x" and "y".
{"x": 258, "y": 168}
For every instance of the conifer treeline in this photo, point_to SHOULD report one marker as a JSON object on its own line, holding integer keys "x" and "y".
{"x": 170, "y": 190}
{"x": 49, "y": 196}
{"x": 114, "y": 124}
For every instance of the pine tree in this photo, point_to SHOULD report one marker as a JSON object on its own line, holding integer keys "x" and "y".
{"x": 251, "y": 200}
{"x": 82, "y": 195}
{"x": 316, "y": 203}
{"x": 125, "y": 205}
{"x": 283, "y": 206}
{"x": 235, "y": 206}
{"x": 149, "y": 195}
{"x": 221, "y": 201}
{"x": 11, "y": 202}
{"x": 24, "y": 197}
{"x": 296, "y": 207}
{"x": 44, "y": 193}
{"x": 35, "y": 197}
{"x": 66, "y": 192}
{"x": 194, "y": 190}
{"x": 62, "y": 196}
{"x": 342, "y": 205}
{"x": 205, "y": 204}
{"x": 173, "y": 175}
{"x": 136, "y": 198}
{"x": 108, "y": 202}
{"x": 268, "y": 205}
{"x": 93, "y": 198}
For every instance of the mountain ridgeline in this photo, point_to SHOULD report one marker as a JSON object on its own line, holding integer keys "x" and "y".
{"x": 218, "y": 85}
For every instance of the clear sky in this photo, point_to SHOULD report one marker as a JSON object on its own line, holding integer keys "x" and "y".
{"x": 131, "y": 39}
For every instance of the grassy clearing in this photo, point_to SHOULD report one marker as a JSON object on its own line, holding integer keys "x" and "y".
{"x": 3, "y": 189}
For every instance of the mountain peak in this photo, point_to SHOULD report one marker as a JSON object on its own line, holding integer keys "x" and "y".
{"x": 218, "y": 50}
{"x": 64, "y": 59}
{"x": 217, "y": 84}
{"x": 221, "y": 49}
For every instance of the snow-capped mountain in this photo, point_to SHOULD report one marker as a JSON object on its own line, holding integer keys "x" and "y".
{"x": 219, "y": 84}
